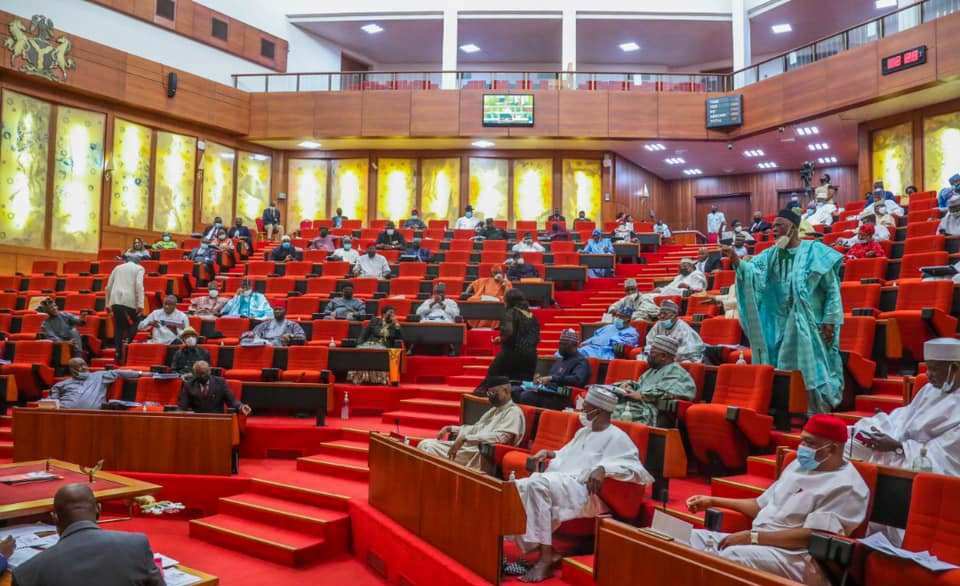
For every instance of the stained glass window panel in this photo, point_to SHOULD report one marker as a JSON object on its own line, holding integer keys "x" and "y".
{"x": 77, "y": 180}
{"x": 582, "y": 188}
{"x": 308, "y": 191}
{"x": 216, "y": 199}
{"x": 941, "y": 150}
{"x": 488, "y": 187}
{"x": 23, "y": 169}
{"x": 349, "y": 188}
{"x": 893, "y": 157}
{"x": 174, "y": 180}
{"x": 253, "y": 186}
{"x": 396, "y": 188}
{"x": 532, "y": 189}
{"x": 440, "y": 189}
{"x": 130, "y": 183}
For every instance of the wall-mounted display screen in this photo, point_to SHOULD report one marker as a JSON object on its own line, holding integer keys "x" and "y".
{"x": 507, "y": 110}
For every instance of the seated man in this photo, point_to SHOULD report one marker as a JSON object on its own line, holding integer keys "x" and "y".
{"x": 606, "y": 342}
{"x": 598, "y": 245}
{"x": 345, "y": 306}
{"x": 241, "y": 233}
{"x": 688, "y": 278}
{"x": 467, "y": 221}
{"x": 286, "y": 251}
{"x": 569, "y": 370}
{"x": 324, "y": 241}
{"x": 689, "y": 343}
{"x": 489, "y": 231}
{"x": 944, "y": 195}
{"x": 581, "y": 217}
{"x": 925, "y": 434}
{"x": 503, "y": 424}
{"x": 637, "y": 303}
{"x": 206, "y": 254}
{"x": 527, "y": 244}
{"x": 706, "y": 262}
{"x": 569, "y": 487}
{"x": 414, "y": 222}
{"x": 725, "y": 302}
{"x": 346, "y": 252}
{"x": 86, "y": 554}
{"x": 372, "y": 264}
{"x": 338, "y": 218}
{"x": 278, "y": 331}
{"x": 823, "y": 211}
{"x": 819, "y": 491}
{"x": 950, "y": 223}
{"x": 271, "y": 220}
{"x": 519, "y": 269}
{"x": 662, "y": 229}
{"x": 210, "y": 305}
{"x": 165, "y": 243}
{"x": 204, "y": 393}
{"x": 863, "y": 245}
{"x": 61, "y": 326}
{"x": 416, "y": 253}
{"x": 439, "y": 308}
{"x": 556, "y": 216}
{"x": 390, "y": 238}
{"x": 740, "y": 244}
{"x": 167, "y": 322}
{"x": 665, "y": 380}
{"x": 85, "y": 389}
{"x": 558, "y": 231}
{"x": 247, "y": 303}
{"x": 624, "y": 229}
{"x": 188, "y": 354}
{"x": 759, "y": 224}
{"x": 492, "y": 288}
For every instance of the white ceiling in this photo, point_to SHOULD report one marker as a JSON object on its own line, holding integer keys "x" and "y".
{"x": 401, "y": 41}
{"x": 506, "y": 40}
{"x": 670, "y": 43}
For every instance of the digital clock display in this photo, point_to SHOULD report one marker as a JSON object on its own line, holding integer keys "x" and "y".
{"x": 904, "y": 60}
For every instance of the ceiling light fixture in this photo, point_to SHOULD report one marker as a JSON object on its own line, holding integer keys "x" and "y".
{"x": 827, "y": 160}
{"x": 372, "y": 29}
{"x": 807, "y": 130}
{"x": 781, "y": 28}
{"x": 881, "y": 4}
{"x": 482, "y": 144}
{"x": 628, "y": 47}
{"x": 818, "y": 146}
{"x": 753, "y": 153}
{"x": 469, "y": 48}
{"x": 767, "y": 165}
{"x": 309, "y": 144}
{"x": 674, "y": 161}
{"x": 654, "y": 147}
{"x": 689, "y": 172}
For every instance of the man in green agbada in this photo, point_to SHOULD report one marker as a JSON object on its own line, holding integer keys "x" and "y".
{"x": 790, "y": 309}
{"x": 664, "y": 380}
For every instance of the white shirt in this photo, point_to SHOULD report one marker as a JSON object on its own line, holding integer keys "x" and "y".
{"x": 160, "y": 319}
{"x": 125, "y": 286}
{"x": 696, "y": 281}
{"x": 623, "y": 230}
{"x": 524, "y": 247}
{"x": 822, "y": 215}
{"x": 349, "y": 256}
{"x": 445, "y": 311}
{"x": 465, "y": 223}
{"x": 950, "y": 225}
{"x": 662, "y": 229}
{"x": 715, "y": 221}
{"x": 892, "y": 208}
{"x": 690, "y": 343}
{"x": 377, "y": 266}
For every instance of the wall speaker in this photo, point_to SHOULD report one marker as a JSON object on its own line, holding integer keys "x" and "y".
{"x": 171, "y": 84}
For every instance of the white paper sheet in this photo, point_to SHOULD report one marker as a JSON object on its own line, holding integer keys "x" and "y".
{"x": 676, "y": 528}
{"x": 168, "y": 562}
{"x": 21, "y": 555}
{"x": 174, "y": 577}
{"x": 879, "y": 542}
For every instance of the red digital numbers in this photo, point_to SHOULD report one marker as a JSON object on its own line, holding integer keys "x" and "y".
{"x": 894, "y": 61}
{"x": 911, "y": 57}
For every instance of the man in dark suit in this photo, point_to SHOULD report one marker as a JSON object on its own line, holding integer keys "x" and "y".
{"x": 707, "y": 263}
{"x": 86, "y": 554}
{"x": 271, "y": 220}
{"x": 205, "y": 393}
{"x": 242, "y": 233}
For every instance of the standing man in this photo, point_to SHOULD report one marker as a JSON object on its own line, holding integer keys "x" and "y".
{"x": 271, "y": 220}
{"x": 167, "y": 322}
{"x": 790, "y": 309}
{"x": 716, "y": 222}
{"x": 124, "y": 295}
{"x": 85, "y": 389}
{"x": 823, "y": 190}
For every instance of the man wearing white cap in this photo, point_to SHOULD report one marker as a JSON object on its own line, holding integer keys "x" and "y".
{"x": 637, "y": 303}
{"x": 950, "y": 223}
{"x": 569, "y": 487}
{"x": 689, "y": 343}
{"x": 665, "y": 380}
{"x": 688, "y": 279}
{"x": 926, "y": 433}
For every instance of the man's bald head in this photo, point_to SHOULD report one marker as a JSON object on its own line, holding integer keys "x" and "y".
{"x": 76, "y": 366}
{"x": 201, "y": 369}
{"x": 74, "y": 502}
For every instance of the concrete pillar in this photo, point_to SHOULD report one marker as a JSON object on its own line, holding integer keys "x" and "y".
{"x": 450, "y": 48}
{"x": 741, "y": 34}
{"x": 568, "y": 52}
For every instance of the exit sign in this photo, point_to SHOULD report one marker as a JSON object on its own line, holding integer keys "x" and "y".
{"x": 905, "y": 60}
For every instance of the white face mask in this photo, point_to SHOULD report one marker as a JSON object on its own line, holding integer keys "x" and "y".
{"x": 213, "y": 294}
{"x": 782, "y": 242}
{"x": 191, "y": 341}
{"x": 584, "y": 420}
{"x": 390, "y": 232}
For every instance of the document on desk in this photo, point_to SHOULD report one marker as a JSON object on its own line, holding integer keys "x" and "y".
{"x": 175, "y": 577}
{"x": 165, "y": 561}
{"x": 667, "y": 524}
{"x": 879, "y": 542}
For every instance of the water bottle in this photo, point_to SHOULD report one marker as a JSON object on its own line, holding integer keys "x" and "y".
{"x": 580, "y": 403}
{"x": 741, "y": 360}
{"x": 345, "y": 409}
{"x": 922, "y": 463}
{"x": 332, "y": 343}
{"x": 513, "y": 475}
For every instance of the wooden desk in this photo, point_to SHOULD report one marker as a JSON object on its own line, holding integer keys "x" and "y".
{"x": 300, "y": 397}
{"x": 572, "y": 274}
{"x": 460, "y": 511}
{"x": 205, "y": 579}
{"x": 596, "y": 261}
{"x": 37, "y": 498}
{"x": 539, "y": 293}
{"x": 687, "y": 237}
{"x": 434, "y": 333}
{"x": 488, "y": 310}
{"x": 183, "y": 443}
{"x": 626, "y": 554}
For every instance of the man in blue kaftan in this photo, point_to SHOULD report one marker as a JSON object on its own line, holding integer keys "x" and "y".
{"x": 603, "y": 343}
{"x": 790, "y": 309}
{"x": 598, "y": 245}
{"x": 247, "y": 303}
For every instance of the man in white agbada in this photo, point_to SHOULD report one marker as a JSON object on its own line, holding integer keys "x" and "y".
{"x": 637, "y": 303}
{"x": 689, "y": 278}
{"x": 503, "y": 424}
{"x": 569, "y": 488}
{"x": 931, "y": 422}
{"x": 818, "y": 491}
{"x": 669, "y": 325}
{"x": 823, "y": 213}
{"x": 950, "y": 223}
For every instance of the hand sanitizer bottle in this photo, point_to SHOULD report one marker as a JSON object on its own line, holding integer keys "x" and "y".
{"x": 922, "y": 463}
{"x": 741, "y": 360}
{"x": 345, "y": 409}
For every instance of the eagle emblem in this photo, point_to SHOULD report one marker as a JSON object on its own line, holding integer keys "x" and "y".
{"x": 37, "y": 52}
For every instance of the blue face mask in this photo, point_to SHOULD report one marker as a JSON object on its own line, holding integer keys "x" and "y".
{"x": 347, "y": 246}
{"x": 668, "y": 323}
{"x": 286, "y": 245}
{"x": 619, "y": 323}
{"x": 468, "y": 214}
{"x": 807, "y": 458}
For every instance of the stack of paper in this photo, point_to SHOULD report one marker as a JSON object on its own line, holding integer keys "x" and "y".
{"x": 879, "y": 542}
{"x": 31, "y": 540}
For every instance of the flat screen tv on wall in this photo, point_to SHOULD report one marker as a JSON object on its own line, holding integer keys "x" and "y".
{"x": 507, "y": 110}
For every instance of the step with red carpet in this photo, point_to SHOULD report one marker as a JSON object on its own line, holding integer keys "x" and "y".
{"x": 740, "y": 486}
{"x": 418, "y": 419}
{"x": 335, "y": 465}
{"x": 351, "y": 449}
{"x": 577, "y": 570}
{"x": 431, "y": 406}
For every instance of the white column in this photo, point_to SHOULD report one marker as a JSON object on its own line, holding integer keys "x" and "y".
{"x": 741, "y": 34}
{"x": 450, "y": 48}
{"x": 568, "y": 51}
{"x": 906, "y": 19}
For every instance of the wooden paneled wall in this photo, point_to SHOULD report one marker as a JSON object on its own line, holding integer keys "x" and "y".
{"x": 194, "y": 20}
{"x": 677, "y": 204}
{"x": 634, "y": 191}
{"x": 120, "y": 78}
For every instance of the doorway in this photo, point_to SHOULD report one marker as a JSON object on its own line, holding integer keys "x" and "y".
{"x": 735, "y": 206}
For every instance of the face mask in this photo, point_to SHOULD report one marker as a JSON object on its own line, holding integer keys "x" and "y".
{"x": 371, "y": 254}
{"x": 201, "y": 378}
{"x": 166, "y": 239}
{"x": 324, "y": 234}
{"x": 348, "y": 295}
{"x": 528, "y": 242}
{"x": 191, "y": 341}
{"x": 493, "y": 398}
{"x": 864, "y": 239}
{"x": 668, "y": 323}
{"x": 619, "y": 323}
{"x": 246, "y": 293}
{"x": 782, "y": 242}
{"x": 955, "y": 213}
{"x": 347, "y": 246}
{"x": 684, "y": 271}
{"x": 468, "y": 214}
{"x": 82, "y": 375}
{"x": 390, "y": 232}
{"x": 519, "y": 261}
{"x": 585, "y": 420}
{"x": 285, "y": 245}
{"x": 204, "y": 246}
{"x": 498, "y": 277}
{"x": 414, "y": 217}
{"x": 807, "y": 458}
{"x": 223, "y": 237}
{"x": 214, "y": 294}
{"x": 737, "y": 229}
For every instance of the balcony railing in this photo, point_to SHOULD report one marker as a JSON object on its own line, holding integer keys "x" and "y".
{"x": 851, "y": 38}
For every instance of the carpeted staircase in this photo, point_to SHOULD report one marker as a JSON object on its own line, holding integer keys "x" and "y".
{"x": 6, "y": 436}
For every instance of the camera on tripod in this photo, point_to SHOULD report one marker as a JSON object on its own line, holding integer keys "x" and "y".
{"x": 806, "y": 174}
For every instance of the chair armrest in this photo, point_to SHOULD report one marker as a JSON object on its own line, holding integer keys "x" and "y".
{"x": 754, "y": 426}
{"x": 865, "y": 311}
{"x": 827, "y": 547}
{"x": 941, "y": 322}
{"x": 860, "y": 368}
{"x": 726, "y": 520}
{"x": 501, "y": 450}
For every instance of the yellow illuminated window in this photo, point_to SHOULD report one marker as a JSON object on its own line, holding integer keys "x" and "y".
{"x": 581, "y": 188}
{"x": 130, "y": 183}
{"x": 173, "y": 181}
{"x": 23, "y": 169}
{"x": 396, "y": 188}
{"x": 216, "y": 199}
{"x": 893, "y": 157}
{"x": 488, "y": 188}
{"x": 78, "y": 180}
{"x": 941, "y": 150}
{"x": 440, "y": 189}
{"x": 308, "y": 191}
{"x": 348, "y": 190}
{"x": 253, "y": 186}
{"x": 532, "y": 189}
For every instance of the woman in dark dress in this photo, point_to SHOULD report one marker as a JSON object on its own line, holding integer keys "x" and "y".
{"x": 519, "y": 336}
{"x": 380, "y": 333}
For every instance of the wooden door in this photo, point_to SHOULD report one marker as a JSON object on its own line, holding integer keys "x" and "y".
{"x": 735, "y": 206}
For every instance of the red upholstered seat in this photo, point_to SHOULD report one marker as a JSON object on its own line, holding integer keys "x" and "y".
{"x": 453, "y": 269}
{"x": 493, "y": 256}
{"x": 365, "y": 286}
{"x": 260, "y": 268}
{"x": 720, "y": 330}
{"x": 566, "y": 258}
{"x": 713, "y": 435}
{"x": 857, "y": 296}
{"x": 335, "y": 268}
{"x": 280, "y": 287}
{"x": 77, "y": 283}
{"x": 30, "y": 367}
{"x": 437, "y": 224}
{"x": 30, "y": 324}
{"x": 322, "y": 330}
{"x": 496, "y": 245}
{"x": 76, "y": 302}
{"x": 454, "y": 285}
{"x": 933, "y": 525}
{"x": 461, "y": 245}
{"x": 42, "y": 267}
{"x": 554, "y": 430}
{"x": 561, "y": 246}
{"x": 865, "y": 268}
{"x": 464, "y": 234}
{"x": 701, "y": 305}
{"x": 621, "y": 369}
{"x": 406, "y": 286}
{"x": 856, "y": 343}
{"x": 75, "y": 267}
{"x": 37, "y": 285}
{"x": 142, "y": 356}
{"x": 924, "y": 203}
{"x": 163, "y": 391}
{"x": 922, "y": 313}
{"x": 321, "y": 286}
{"x": 231, "y": 328}
{"x": 298, "y": 268}
{"x": 302, "y": 307}
{"x": 305, "y": 363}
{"x": 461, "y": 257}
{"x": 921, "y": 229}
{"x": 723, "y": 279}
{"x": 249, "y": 362}
{"x": 526, "y": 226}
{"x": 413, "y": 269}
{"x": 911, "y": 264}
{"x": 924, "y": 244}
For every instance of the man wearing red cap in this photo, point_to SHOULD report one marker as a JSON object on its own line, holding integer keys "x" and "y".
{"x": 865, "y": 245}
{"x": 278, "y": 331}
{"x": 819, "y": 491}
